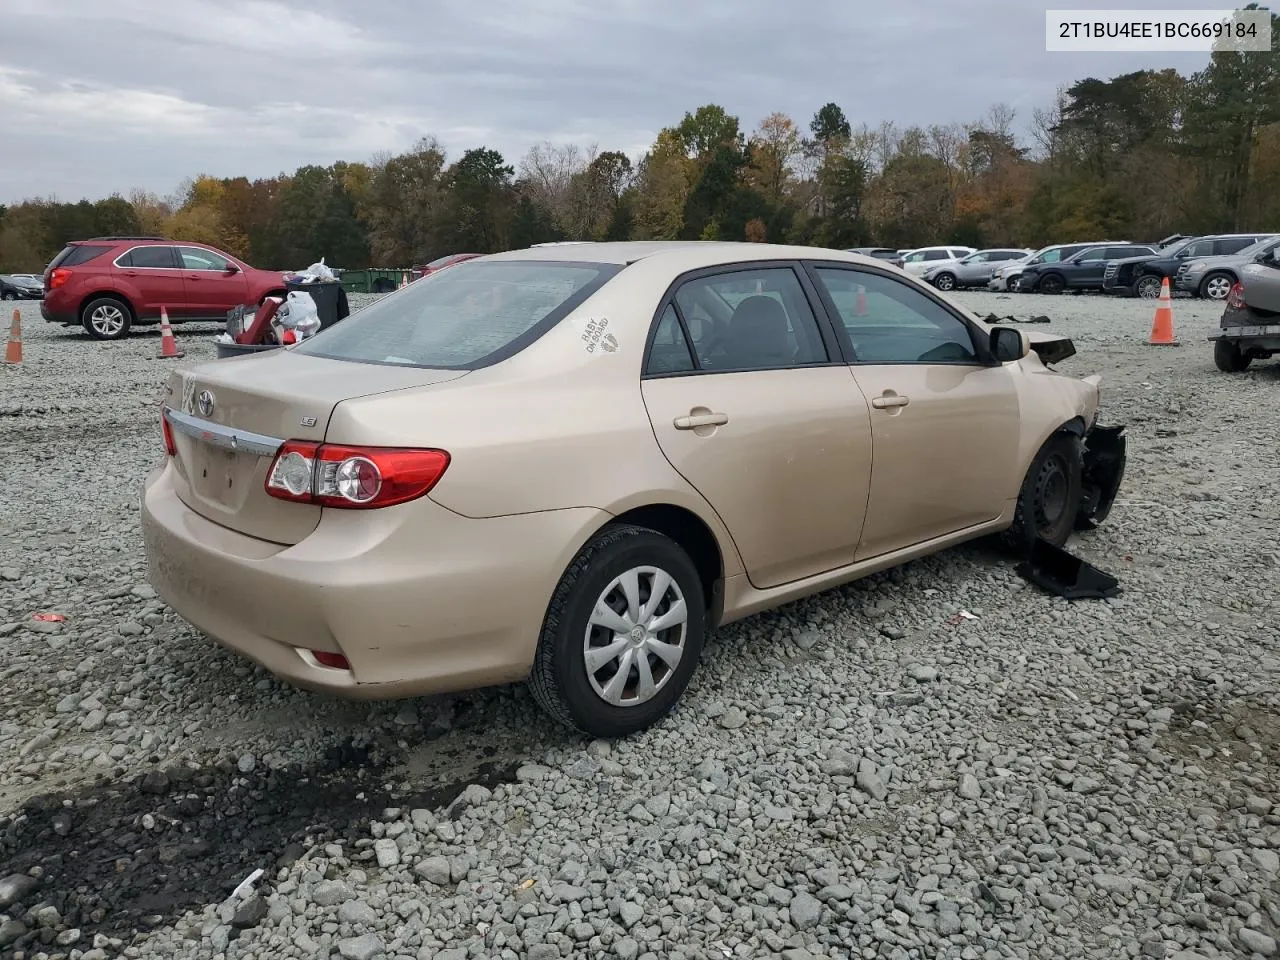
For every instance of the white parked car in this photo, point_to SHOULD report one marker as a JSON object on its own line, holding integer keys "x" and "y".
{"x": 919, "y": 260}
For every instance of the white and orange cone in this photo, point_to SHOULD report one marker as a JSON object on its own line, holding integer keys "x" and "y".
{"x": 13, "y": 349}
{"x": 1162, "y": 323}
{"x": 168, "y": 344}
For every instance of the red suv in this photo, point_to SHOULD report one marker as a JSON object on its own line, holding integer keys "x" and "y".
{"x": 108, "y": 284}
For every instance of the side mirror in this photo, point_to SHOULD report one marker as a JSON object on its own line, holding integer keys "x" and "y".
{"x": 232, "y": 268}
{"x": 1008, "y": 344}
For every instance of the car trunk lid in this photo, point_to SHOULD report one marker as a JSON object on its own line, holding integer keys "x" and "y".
{"x": 229, "y": 417}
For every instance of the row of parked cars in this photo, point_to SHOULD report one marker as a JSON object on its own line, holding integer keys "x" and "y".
{"x": 21, "y": 286}
{"x": 1205, "y": 266}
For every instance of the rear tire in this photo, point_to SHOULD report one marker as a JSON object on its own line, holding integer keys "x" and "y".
{"x": 1050, "y": 496}
{"x": 1228, "y": 358}
{"x": 106, "y": 318}
{"x": 595, "y": 588}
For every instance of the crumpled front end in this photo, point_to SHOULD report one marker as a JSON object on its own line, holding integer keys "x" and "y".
{"x": 1105, "y": 454}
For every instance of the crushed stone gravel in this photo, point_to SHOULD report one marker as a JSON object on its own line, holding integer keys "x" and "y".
{"x": 859, "y": 774}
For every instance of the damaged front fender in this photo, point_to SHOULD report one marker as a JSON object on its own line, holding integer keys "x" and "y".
{"x": 1104, "y": 463}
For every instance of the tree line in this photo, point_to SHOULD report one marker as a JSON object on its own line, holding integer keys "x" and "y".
{"x": 1137, "y": 156}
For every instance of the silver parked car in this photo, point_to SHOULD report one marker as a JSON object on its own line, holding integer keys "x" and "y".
{"x": 975, "y": 270}
{"x": 1250, "y": 326}
{"x": 1213, "y": 277}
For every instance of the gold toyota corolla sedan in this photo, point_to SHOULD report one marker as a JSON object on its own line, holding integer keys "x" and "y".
{"x": 566, "y": 464}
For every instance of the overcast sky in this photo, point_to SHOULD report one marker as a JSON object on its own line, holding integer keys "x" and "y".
{"x": 98, "y": 96}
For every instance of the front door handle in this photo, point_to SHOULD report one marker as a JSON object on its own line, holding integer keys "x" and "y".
{"x": 701, "y": 420}
{"x": 889, "y": 400}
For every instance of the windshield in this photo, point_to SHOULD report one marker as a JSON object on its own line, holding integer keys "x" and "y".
{"x": 476, "y": 314}
{"x": 1176, "y": 248}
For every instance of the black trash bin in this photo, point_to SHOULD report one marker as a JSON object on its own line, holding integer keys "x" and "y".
{"x": 330, "y": 298}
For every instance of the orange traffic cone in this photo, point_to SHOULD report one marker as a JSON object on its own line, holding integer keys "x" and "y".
{"x": 1162, "y": 324}
{"x": 13, "y": 349}
{"x": 168, "y": 345}
{"x": 860, "y": 307}
{"x": 404, "y": 280}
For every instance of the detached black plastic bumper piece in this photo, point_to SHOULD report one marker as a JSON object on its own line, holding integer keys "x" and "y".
{"x": 1105, "y": 452}
{"x": 1059, "y": 572}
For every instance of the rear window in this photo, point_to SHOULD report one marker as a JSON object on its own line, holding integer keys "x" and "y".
{"x": 74, "y": 254}
{"x": 471, "y": 316}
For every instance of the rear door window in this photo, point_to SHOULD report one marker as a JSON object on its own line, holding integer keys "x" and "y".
{"x": 750, "y": 320}
{"x": 937, "y": 255}
{"x": 472, "y": 315}
{"x": 150, "y": 258}
{"x": 1229, "y": 245}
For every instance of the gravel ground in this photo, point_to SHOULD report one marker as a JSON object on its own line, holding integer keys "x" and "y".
{"x": 861, "y": 774}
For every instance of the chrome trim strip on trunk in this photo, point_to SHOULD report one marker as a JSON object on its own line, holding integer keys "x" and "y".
{"x": 228, "y": 438}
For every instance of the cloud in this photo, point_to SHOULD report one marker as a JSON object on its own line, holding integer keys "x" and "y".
{"x": 99, "y": 97}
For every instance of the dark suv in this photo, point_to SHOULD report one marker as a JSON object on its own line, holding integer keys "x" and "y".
{"x": 1080, "y": 271}
{"x": 1143, "y": 276}
{"x": 108, "y": 284}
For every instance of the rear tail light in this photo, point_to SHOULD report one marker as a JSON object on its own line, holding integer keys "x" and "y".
{"x": 1235, "y": 298}
{"x": 331, "y": 475}
{"x": 59, "y": 277}
{"x": 170, "y": 447}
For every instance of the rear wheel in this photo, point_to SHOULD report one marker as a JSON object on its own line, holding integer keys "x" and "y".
{"x": 1216, "y": 286}
{"x": 1229, "y": 358}
{"x": 106, "y": 318}
{"x": 1051, "y": 284}
{"x": 1148, "y": 287}
{"x": 1050, "y": 496}
{"x": 622, "y": 634}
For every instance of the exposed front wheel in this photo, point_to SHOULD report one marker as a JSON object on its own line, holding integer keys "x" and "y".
{"x": 1229, "y": 358}
{"x": 9, "y": 295}
{"x": 1148, "y": 287}
{"x": 1050, "y": 496}
{"x": 945, "y": 282}
{"x": 106, "y": 319}
{"x": 1216, "y": 286}
{"x": 1051, "y": 284}
{"x": 622, "y": 634}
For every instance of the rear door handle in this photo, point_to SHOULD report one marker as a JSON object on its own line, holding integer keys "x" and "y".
{"x": 701, "y": 420}
{"x": 883, "y": 403}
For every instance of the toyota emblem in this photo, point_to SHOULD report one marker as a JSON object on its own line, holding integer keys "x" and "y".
{"x": 205, "y": 403}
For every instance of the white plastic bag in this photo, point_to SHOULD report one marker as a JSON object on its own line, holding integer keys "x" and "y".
{"x": 317, "y": 271}
{"x": 300, "y": 314}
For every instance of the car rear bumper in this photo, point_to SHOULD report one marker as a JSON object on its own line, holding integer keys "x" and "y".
{"x": 52, "y": 315}
{"x": 1247, "y": 330}
{"x": 413, "y": 614}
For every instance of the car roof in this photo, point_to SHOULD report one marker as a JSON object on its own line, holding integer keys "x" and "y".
{"x": 694, "y": 253}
